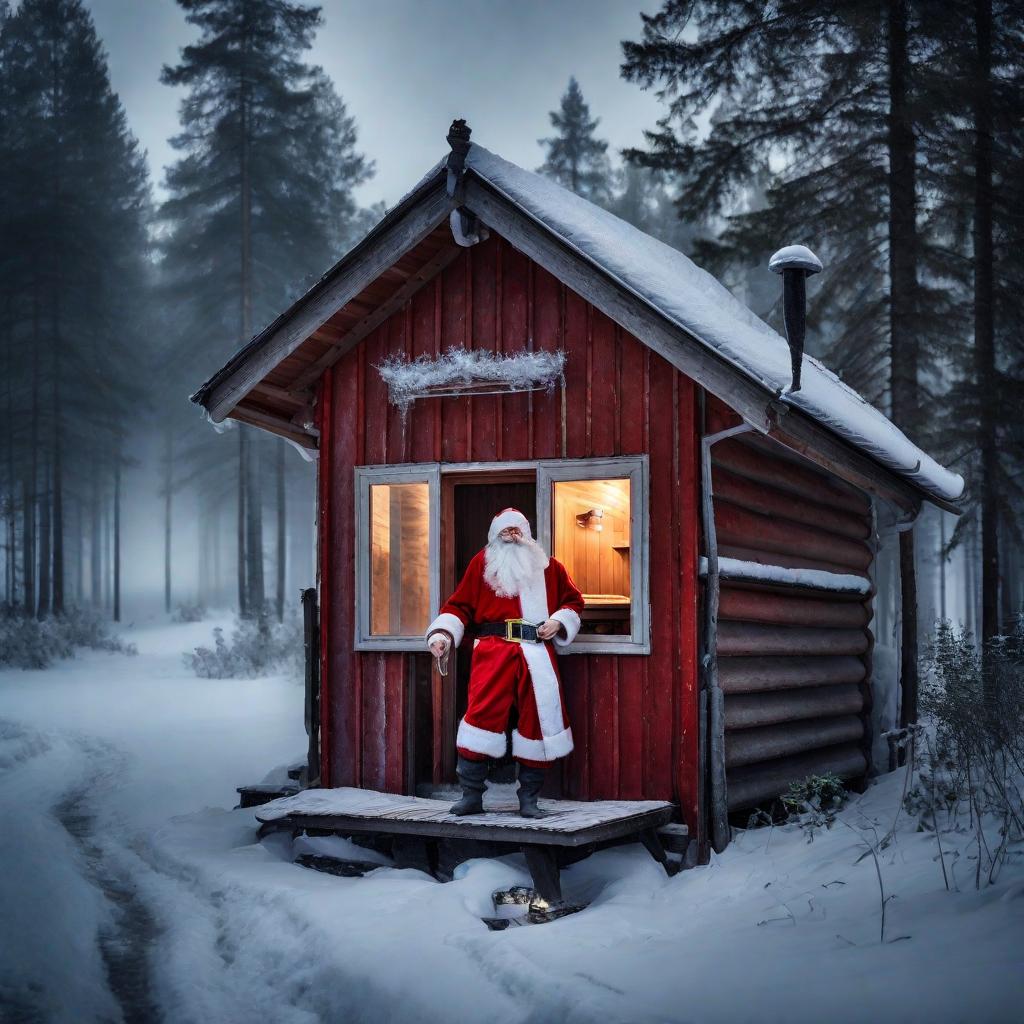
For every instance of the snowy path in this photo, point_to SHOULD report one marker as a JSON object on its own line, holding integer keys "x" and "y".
{"x": 131, "y": 891}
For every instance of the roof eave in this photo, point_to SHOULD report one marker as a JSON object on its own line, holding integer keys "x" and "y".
{"x": 393, "y": 235}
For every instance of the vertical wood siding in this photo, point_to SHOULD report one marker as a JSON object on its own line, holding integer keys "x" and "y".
{"x": 633, "y": 716}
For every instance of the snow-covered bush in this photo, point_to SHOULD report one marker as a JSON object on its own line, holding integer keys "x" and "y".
{"x": 968, "y": 752}
{"x": 27, "y": 642}
{"x": 186, "y": 612}
{"x": 814, "y": 802}
{"x": 257, "y": 647}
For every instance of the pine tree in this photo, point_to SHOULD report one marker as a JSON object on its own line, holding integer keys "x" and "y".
{"x": 641, "y": 199}
{"x": 830, "y": 92}
{"x": 73, "y": 260}
{"x": 260, "y": 205}
{"x": 975, "y": 156}
{"x": 577, "y": 159}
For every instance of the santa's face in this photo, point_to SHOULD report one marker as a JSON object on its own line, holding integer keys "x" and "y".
{"x": 512, "y": 560}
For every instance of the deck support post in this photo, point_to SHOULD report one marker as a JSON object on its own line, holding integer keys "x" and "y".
{"x": 543, "y": 864}
{"x": 652, "y": 843}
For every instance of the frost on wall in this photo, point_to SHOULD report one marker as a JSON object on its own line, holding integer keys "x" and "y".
{"x": 469, "y": 372}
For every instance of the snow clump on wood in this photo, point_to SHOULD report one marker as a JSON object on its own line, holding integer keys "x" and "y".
{"x": 466, "y": 372}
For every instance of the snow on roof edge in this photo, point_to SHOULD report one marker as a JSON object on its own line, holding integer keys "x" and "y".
{"x": 669, "y": 281}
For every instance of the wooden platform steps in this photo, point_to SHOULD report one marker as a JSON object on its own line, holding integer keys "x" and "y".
{"x": 419, "y": 827}
{"x": 263, "y": 792}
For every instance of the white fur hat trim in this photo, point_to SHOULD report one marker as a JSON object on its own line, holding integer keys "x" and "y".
{"x": 509, "y": 517}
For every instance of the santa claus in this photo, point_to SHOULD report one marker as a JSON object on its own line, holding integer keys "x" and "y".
{"x": 519, "y": 605}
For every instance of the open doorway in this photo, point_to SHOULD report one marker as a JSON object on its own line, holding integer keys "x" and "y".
{"x": 469, "y": 501}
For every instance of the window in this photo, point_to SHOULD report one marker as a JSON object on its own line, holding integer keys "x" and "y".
{"x": 592, "y": 517}
{"x": 396, "y": 555}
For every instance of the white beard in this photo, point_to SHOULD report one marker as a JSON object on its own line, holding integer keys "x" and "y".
{"x": 510, "y": 566}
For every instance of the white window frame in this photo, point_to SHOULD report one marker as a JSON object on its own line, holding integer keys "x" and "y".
{"x": 635, "y": 468}
{"x": 365, "y": 477}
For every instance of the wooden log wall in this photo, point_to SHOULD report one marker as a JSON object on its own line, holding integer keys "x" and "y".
{"x": 794, "y": 665}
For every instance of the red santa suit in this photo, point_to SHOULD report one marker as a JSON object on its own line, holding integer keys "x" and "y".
{"x": 505, "y": 671}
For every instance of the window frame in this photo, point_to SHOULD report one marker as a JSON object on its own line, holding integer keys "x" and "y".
{"x": 365, "y": 478}
{"x": 636, "y": 469}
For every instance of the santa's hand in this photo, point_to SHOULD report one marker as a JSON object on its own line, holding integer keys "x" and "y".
{"x": 549, "y": 629}
{"x": 439, "y": 645}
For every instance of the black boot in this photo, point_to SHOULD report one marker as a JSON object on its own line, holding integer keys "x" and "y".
{"x": 472, "y": 777}
{"x": 530, "y": 782}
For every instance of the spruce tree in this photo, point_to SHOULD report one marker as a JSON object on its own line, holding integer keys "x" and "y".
{"x": 73, "y": 260}
{"x": 577, "y": 159}
{"x": 260, "y": 205}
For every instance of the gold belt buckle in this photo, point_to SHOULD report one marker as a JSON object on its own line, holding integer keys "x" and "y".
{"x": 524, "y": 625}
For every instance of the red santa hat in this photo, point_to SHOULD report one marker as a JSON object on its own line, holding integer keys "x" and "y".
{"x": 509, "y": 517}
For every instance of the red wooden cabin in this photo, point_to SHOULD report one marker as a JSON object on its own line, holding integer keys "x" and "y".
{"x": 710, "y": 671}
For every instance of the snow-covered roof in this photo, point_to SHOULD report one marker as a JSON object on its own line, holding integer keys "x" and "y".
{"x": 690, "y": 297}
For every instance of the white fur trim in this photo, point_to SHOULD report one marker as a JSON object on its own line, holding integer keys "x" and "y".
{"x": 545, "y": 688}
{"x": 481, "y": 741}
{"x": 548, "y": 749}
{"x": 532, "y": 749}
{"x": 568, "y": 618}
{"x": 558, "y": 745}
{"x": 533, "y": 602}
{"x": 509, "y": 517}
{"x": 451, "y": 623}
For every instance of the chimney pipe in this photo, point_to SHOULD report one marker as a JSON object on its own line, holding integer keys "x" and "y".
{"x": 795, "y": 263}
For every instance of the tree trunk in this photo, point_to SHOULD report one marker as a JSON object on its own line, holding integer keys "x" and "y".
{"x": 117, "y": 532}
{"x": 254, "y": 532}
{"x": 56, "y": 291}
{"x": 32, "y": 495}
{"x": 253, "y": 518}
{"x": 942, "y": 565}
{"x": 43, "y": 606}
{"x": 80, "y": 553}
{"x": 27, "y": 532}
{"x": 968, "y": 547}
{"x": 243, "y": 460}
{"x": 282, "y": 563}
{"x": 168, "y": 479}
{"x": 106, "y": 555}
{"x": 57, "y": 486}
{"x": 95, "y": 545}
{"x": 984, "y": 330}
{"x": 902, "y": 184}
{"x": 12, "y": 482}
{"x": 908, "y": 636}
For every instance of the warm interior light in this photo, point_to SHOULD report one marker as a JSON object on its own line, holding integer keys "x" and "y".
{"x": 399, "y": 559}
{"x": 591, "y": 526}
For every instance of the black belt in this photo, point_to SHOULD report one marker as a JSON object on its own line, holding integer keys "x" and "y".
{"x": 519, "y": 631}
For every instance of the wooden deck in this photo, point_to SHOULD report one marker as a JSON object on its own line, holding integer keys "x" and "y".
{"x": 567, "y": 822}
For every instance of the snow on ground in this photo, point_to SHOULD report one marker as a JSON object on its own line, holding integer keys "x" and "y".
{"x": 132, "y": 890}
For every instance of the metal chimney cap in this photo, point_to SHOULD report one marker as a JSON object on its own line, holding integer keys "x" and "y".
{"x": 795, "y": 257}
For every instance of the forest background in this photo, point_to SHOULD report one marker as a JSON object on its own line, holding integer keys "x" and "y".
{"x": 887, "y": 135}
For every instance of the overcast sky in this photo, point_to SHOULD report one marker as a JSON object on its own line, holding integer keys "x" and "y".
{"x": 405, "y": 68}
